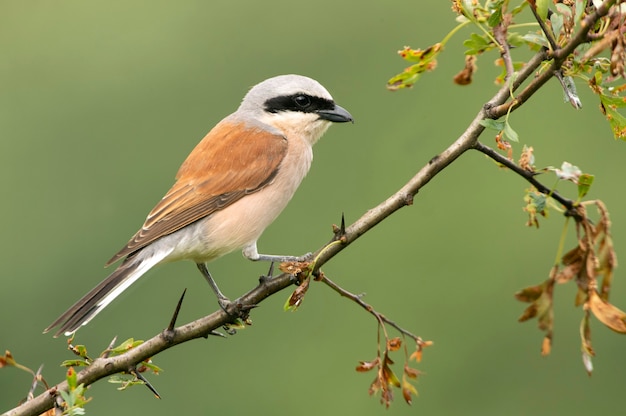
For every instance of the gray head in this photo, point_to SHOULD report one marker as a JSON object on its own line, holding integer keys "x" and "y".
{"x": 292, "y": 93}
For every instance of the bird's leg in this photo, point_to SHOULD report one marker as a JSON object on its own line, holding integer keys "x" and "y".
{"x": 222, "y": 300}
{"x": 250, "y": 252}
{"x": 282, "y": 259}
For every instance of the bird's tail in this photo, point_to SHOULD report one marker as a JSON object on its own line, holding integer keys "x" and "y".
{"x": 100, "y": 296}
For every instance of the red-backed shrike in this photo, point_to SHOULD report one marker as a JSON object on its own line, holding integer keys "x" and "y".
{"x": 229, "y": 189}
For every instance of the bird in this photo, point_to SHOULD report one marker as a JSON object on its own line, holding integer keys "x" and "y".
{"x": 230, "y": 188}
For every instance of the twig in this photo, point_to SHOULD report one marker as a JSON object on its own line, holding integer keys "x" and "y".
{"x": 36, "y": 379}
{"x": 529, "y": 176}
{"x": 500, "y": 33}
{"x": 108, "y": 349}
{"x": 544, "y": 28}
{"x": 359, "y": 301}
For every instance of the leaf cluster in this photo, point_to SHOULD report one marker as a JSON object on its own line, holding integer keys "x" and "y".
{"x": 386, "y": 379}
{"x": 590, "y": 265}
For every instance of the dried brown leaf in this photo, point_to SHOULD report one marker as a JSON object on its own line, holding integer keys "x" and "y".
{"x": 7, "y": 359}
{"x": 609, "y": 315}
{"x": 573, "y": 256}
{"x": 417, "y": 355}
{"x": 296, "y": 298}
{"x": 464, "y": 77}
{"x": 408, "y": 391}
{"x": 394, "y": 344}
{"x": 581, "y": 296}
{"x": 526, "y": 159}
{"x": 294, "y": 267}
{"x": 546, "y": 345}
{"x": 410, "y": 371}
{"x": 368, "y": 365}
{"x": 530, "y": 294}
{"x": 390, "y": 377}
{"x": 386, "y": 397}
{"x": 375, "y": 386}
{"x": 568, "y": 272}
{"x": 529, "y": 313}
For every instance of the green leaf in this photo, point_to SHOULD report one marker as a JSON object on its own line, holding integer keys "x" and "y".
{"x": 557, "y": 24}
{"x": 580, "y": 8}
{"x": 617, "y": 122}
{"x": 71, "y": 378}
{"x": 496, "y": 17}
{"x": 497, "y": 125}
{"x": 519, "y": 8}
{"x": 404, "y": 80}
{"x": 515, "y": 39}
{"x": 80, "y": 350}
{"x": 74, "y": 363}
{"x": 468, "y": 9}
{"x": 477, "y": 44}
{"x": 67, "y": 397}
{"x": 584, "y": 183}
{"x": 542, "y": 8}
{"x": 613, "y": 101}
{"x": 536, "y": 39}
{"x": 124, "y": 382}
{"x": 155, "y": 369}
{"x": 509, "y": 133}
{"x": 426, "y": 61}
{"x": 539, "y": 201}
{"x": 130, "y": 343}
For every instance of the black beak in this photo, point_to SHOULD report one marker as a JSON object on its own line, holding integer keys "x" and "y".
{"x": 336, "y": 115}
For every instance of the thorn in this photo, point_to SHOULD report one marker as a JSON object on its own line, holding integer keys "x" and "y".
{"x": 108, "y": 349}
{"x": 146, "y": 382}
{"x": 342, "y": 229}
{"x": 270, "y": 273}
{"x": 172, "y": 324}
{"x": 248, "y": 308}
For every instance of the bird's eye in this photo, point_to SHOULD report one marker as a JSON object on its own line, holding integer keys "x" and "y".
{"x": 302, "y": 101}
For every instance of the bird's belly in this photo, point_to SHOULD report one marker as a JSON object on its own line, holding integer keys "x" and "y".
{"x": 233, "y": 227}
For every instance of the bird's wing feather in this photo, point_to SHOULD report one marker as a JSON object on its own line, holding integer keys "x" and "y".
{"x": 232, "y": 161}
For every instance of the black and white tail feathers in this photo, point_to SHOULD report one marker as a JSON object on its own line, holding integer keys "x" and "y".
{"x": 100, "y": 296}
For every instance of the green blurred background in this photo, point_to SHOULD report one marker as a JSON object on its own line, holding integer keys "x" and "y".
{"x": 100, "y": 102}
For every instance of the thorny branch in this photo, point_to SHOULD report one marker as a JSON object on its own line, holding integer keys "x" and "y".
{"x": 499, "y": 105}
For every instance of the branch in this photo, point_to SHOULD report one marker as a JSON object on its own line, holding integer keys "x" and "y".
{"x": 558, "y": 58}
{"x": 203, "y": 327}
{"x": 529, "y": 176}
